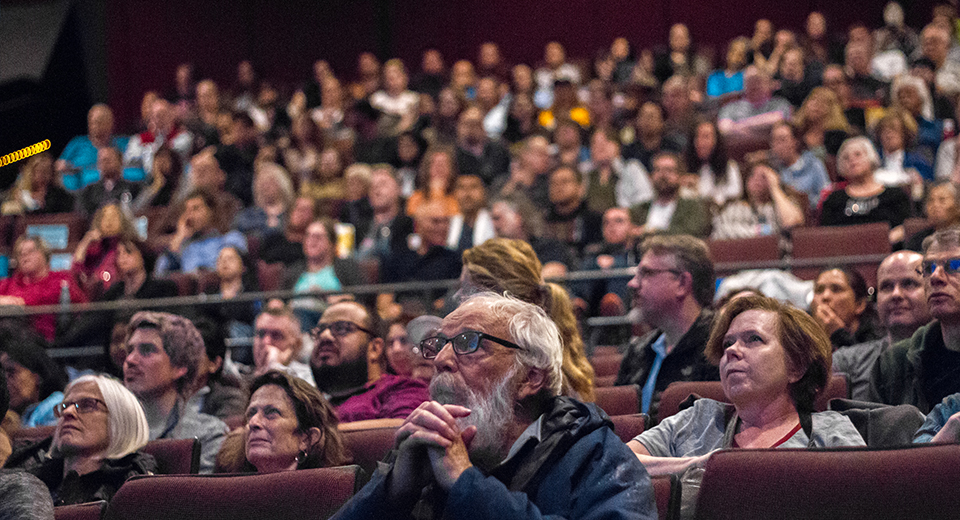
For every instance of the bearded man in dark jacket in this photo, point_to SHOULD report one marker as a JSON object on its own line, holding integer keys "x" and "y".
{"x": 498, "y": 441}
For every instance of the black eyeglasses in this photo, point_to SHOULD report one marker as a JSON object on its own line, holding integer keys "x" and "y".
{"x": 82, "y": 406}
{"x": 951, "y": 266}
{"x": 338, "y": 329}
{"x": 467, "y": 342}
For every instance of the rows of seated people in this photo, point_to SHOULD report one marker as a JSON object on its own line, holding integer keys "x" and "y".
{"x": 500, "y": 176}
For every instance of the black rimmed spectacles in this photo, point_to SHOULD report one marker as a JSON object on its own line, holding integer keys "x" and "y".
{"x": 82, "y": 406}
{"x": 338, "y": 329}
{"x": 467, "y": 342}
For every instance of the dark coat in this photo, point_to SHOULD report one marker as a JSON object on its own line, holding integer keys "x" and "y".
{"x": 579, "y": 469}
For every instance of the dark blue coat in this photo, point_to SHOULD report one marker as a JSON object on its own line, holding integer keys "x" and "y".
{"x": 579, "y": 469}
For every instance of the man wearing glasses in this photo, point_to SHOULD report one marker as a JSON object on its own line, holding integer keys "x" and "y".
{"x": 498, "y": 440}
{"x": 349, "y": 367}
{"x": 277, "y": 344}
{"x": 924, "y": 369}
{"x": 672, "y": 293}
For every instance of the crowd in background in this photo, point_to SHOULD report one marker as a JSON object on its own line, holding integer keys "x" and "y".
{"x": 401, "y": 172}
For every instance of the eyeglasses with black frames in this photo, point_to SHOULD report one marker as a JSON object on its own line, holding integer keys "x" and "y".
{"x": 338, "y": 328}
{"x": 467, "y": 342}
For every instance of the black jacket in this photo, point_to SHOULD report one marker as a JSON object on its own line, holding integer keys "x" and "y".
{"x": 685, "y": 362}
{"x": 97, "y": 485}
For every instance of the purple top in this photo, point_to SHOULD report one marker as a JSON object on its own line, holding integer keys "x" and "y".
{"x": 390, "y": 397}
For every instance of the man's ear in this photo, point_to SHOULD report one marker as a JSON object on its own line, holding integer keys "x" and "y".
{"x": 686, "y": 282}
{"x": 374, "y": 350}
{"x": 216, "y": 364}
{"x": 534, "y": 381}
{"x": 180, "y": 372}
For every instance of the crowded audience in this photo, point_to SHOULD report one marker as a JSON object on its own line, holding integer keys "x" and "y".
{"x": 553, "y": 199}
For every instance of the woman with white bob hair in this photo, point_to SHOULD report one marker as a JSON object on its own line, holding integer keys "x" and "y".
{"x": 100, "y": 427}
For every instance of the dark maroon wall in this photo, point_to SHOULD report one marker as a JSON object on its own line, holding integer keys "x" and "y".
{"x": 147, "y": 39}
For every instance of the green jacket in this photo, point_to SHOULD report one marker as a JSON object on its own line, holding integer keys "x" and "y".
{"x": 897, "y": 376}
{"x": 690, "y": 218}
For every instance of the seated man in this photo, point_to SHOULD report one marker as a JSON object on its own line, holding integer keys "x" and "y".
{"x": 164, "y": 352}
{"x": 277, "y": 344}
{"x": 427, "y": 260}
{"x": 197, "y": 243}
{"x": 752, "y": 116}
{"x": 614, "y": 252}
{"x": 472, "y": 226}
{"x": 668, "y": 211}
{"x": 78, "y": 162}
{"x": 498, "y": 441}
{"x": 349, "y": 367}
{"x": 921, "y": 370}
{"x": 111, "y": 188}
{"x": 162, "y": 129}
{"x": 569, "y": 219}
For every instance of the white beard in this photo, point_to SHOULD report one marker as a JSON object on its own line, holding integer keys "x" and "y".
{"x": 491, "y": 414}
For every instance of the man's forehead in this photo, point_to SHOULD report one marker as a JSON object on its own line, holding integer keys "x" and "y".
{"x": 271, "y": 321}
{"x": 350, "y": 311}
{"x": 653, "y": 258}
{"x": 469, "y": 315}
{"x": 936, "y": 251}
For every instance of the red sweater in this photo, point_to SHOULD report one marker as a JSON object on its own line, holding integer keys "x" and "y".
{"x": 45, "y": 291}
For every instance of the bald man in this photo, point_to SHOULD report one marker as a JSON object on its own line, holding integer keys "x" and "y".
{"x": 902, "y": 305}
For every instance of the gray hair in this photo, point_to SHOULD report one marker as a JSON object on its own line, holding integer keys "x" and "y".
{"x": 126, "y": 423}
{"x": 945, "y": 238}
{"x": 181, "y": 341}
{"x": 906, "y": 80}
{"x": 532, "y": 330}
{"x": 272, "y": 171}
{"x": 861, "y": 142}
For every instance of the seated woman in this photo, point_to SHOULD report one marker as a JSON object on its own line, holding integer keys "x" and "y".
{"x": 398, "y": 348}
{"x": 774, "y": 360}
{"x": 36, "y": 191}
{"x": 94, "y": 449}
{"x": 841, "y": 305}
{"x": 34, "y": 380}
{"x": 821, "y": 123}
{"x": 289, "y": 426}
{"x": 942, "y": 209}
{"x": 900, "y": 162}
{"x": 95, "y": 259}
{"x": 771, "y": 208}
{"x": 864, "y": 200}
{"x": 728, "y": 82}
{"x": 911, "y": 94}
{"x": 165, "y": 177}
{"x": 320, "y": 270}
{"x": 134, "y": 281}
{"x": 272, "y": 197}
{"x": 438, "y": 170}
{"x": 33, "y": 283}
{"x": 234, "y": 276}
{"x": 713, "y": 176}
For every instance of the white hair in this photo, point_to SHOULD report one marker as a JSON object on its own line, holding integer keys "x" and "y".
{"x": 861, "y": 142}
{"x": 906, "y": 80}
{"x": 126, "y": 422}
{"x": 272, "y": 171}
{"x": 532, "y": 330}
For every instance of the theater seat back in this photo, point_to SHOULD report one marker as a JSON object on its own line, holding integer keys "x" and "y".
{"x": 293, "y": 495}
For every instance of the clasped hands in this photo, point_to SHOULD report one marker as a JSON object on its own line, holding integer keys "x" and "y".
{"x": 432, "y": 448}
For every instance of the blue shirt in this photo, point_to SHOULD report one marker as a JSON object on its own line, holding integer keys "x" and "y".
{"x": 807, "y": 175}
{"x": 719, "y": 83}
{"x": 82, "y": 154}
{"x": 199, "y": 252}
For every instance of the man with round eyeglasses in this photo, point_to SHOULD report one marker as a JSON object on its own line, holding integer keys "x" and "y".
{"x": 498, "y": 440}
{"x": 277, "y": 344}
{"x": 349, "y": 366}
{"x": 923, "y": 369}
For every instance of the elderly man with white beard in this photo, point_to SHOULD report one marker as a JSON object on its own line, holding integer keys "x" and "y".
{"x": 498, "y": 441}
